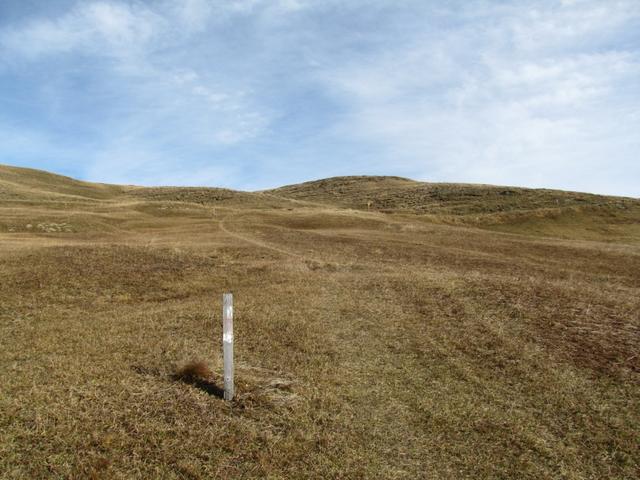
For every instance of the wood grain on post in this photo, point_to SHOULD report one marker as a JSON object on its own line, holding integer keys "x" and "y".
{"x": 227, "y": 344}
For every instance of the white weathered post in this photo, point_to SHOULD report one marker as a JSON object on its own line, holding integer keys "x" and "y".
{"x": 227, "y": 344}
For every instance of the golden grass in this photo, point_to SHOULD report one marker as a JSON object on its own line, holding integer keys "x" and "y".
{"x": 368, "y": 344}
{"x": 508, "y": 209}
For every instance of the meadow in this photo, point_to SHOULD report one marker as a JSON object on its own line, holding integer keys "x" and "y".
{"x": 384, "y": 328}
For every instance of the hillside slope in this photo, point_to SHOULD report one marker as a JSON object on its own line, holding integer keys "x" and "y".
{"x": 28, "y": 184}
{"x": 395, "y": 344}
{"x": 509, "y": 209}
{"x": 18, "y": 183}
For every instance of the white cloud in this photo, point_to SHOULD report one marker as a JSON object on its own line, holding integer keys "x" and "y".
{"x": 195, "y": 16}
{"x": 569, "y": 24}
{"x": 472, "y": 105}
{"x": 166, "y": 97}
{"x": 134, "y": 164}
{"x": 97, "y": 27}
{"x": 538, "y": 92}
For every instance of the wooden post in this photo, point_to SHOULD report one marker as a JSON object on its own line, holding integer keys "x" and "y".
{"x": 227, "y": 344}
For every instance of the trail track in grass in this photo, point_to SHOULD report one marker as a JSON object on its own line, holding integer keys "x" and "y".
{"x": 443, "y": 331}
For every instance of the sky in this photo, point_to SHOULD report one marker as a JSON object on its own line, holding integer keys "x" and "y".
{"x": 252, "y": 94}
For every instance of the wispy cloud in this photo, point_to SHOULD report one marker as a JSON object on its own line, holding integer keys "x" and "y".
{"x": 98, "y": 28}
{"x": 255, "y": 93}
{"x": 530, "y": 97}
{"x": 123, "y": 69}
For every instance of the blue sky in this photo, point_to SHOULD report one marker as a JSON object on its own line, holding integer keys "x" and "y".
{"x": 253, "y": 94}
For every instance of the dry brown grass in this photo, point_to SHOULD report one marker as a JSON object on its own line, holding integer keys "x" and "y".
{"x": 508, "y": 209}
{"x": 195, "y": 370}
{"x": 368, "y": 344}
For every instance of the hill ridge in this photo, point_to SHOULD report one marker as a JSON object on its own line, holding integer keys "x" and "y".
{"x": 25, "y": 172}
{"x": 510, "y": 209}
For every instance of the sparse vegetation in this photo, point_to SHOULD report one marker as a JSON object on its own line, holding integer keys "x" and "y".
{"x": 408, "y": 341}
{"x": 195, "y": 370}
{"x": 509, "y": 209}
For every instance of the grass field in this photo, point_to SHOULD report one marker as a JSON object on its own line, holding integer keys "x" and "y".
{"x": 384, "y": 328}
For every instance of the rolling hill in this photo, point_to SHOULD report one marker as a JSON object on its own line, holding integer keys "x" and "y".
{"x": 385, "y": 328}
{"x": 509, "y": 209}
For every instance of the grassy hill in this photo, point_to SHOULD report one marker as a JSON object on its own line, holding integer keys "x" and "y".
{"x": 510, "y": 209}
{"x": 28, "y": 184}
{"x": 442, "y": 331}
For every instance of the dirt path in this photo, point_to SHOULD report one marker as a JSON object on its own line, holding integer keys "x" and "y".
{"x": 260, "y": 243}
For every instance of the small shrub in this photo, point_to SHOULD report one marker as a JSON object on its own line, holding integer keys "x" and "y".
{"x": 194, "y": 371}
